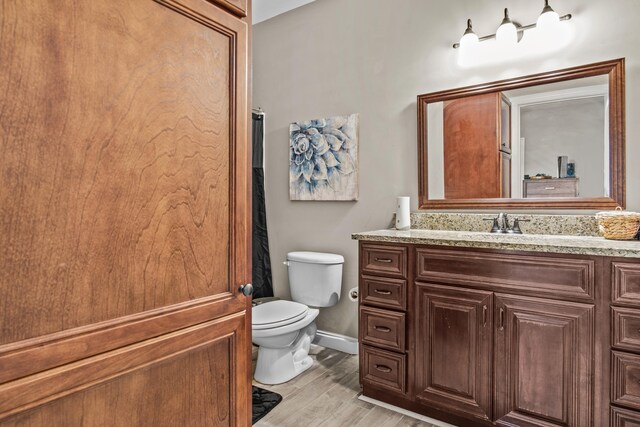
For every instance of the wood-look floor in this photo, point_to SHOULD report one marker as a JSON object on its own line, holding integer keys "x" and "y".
{"x": 327, "y": 395}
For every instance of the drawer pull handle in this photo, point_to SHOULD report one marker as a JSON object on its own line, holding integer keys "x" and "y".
{"x": 501, "y": 318}
{"x": 382, "y": 329}
{"x": 549, "y": 188}
{"x": 378, "y": 291}
{"x": 385, "y": 260}
{"x": 383, "y": 368}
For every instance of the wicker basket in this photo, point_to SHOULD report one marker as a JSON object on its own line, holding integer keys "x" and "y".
{"x": 618, "y": 224}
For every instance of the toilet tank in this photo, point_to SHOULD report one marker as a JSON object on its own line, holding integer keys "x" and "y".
{"x": 315, "y": 278}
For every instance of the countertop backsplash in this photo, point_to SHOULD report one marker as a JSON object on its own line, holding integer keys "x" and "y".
{"x": 572, "y": 225}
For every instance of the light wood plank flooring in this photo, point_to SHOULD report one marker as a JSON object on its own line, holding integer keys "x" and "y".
{"x": 326, "y": 395}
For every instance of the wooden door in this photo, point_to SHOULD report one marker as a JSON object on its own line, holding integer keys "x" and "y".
{"x": 453, "y": 349}
{"x": 471, "y": 147}
{"x": 124, "y": 221}
{"x": 543, "y": 362}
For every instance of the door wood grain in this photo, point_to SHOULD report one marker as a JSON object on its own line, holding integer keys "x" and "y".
{"x": 125, "y": 224}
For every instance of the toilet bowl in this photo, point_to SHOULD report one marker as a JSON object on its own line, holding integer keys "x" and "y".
{"x": 284, "y": 329}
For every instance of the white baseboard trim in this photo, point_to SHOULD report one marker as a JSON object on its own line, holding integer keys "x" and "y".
{"x": 405, "y": 412}
{"x": 338, "y": 342}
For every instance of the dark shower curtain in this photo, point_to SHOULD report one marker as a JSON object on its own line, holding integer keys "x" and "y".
{"x": 261, "y": 272}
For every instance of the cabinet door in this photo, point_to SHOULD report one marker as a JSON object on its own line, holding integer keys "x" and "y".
{"x": 453, "y": 349}
{"x": 543, "y": 362}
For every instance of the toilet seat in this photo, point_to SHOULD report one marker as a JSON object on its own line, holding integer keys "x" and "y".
{"x": 275, "y": 314}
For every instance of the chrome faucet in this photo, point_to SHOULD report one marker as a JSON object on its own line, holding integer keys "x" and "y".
{"x": 501, "y": 224}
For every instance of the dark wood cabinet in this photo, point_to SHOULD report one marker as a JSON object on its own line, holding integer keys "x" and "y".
{"x": 543, "y": 361}
{"x": 624, "y": 418}
{"x": 383, "y": 319}
{"x": 453, "y": 349}
{"x": 503, "y": 338}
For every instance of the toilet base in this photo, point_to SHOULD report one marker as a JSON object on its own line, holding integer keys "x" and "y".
{"x": 279, "y": 365}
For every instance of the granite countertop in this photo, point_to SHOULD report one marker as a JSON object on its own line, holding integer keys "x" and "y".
{"x": 564, "y": 244}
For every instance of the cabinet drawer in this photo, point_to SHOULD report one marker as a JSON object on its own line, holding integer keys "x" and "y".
{"x": 384, "y": 259}
{"x": 382, "y": 328}
{"x": 626, "y": 283}
{"x": 626, "y": 380}
{"x": 551, "y": 188}
{"x": 626, "y": 328}
{"x": 384, "y": 369}
{"x": 624, "y": 418}
{"x": 551, "y": 276}
{"x": 384, "y": 292}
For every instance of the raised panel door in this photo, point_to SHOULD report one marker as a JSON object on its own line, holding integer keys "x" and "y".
{"x": 543, "y": 362}
{"x": 124, "y": 222}
{"x": 453, "y": 349}
{"x": 470, "y": 147}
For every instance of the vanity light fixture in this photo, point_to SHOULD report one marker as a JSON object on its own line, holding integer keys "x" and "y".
{"x": 548, "y": 18}
{"x": 469, "y": 37}
{"x": 509, "y": 33}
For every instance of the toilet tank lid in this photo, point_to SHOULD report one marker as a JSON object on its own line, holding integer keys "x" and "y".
{"x": 315, "y": 257}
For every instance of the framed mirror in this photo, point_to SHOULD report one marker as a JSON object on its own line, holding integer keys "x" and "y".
{"x": 548, "y": 140}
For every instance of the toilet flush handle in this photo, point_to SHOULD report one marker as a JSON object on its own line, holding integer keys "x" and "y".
{"x": 247, "y": 289}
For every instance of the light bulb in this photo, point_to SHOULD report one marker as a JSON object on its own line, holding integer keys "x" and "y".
{"x": 469, "y": 38}
{"x": 549, "y": 18}
{"x": 507, "y": 33}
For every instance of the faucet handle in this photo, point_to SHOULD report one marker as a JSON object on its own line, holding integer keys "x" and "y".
{"x": 515, "y": 228}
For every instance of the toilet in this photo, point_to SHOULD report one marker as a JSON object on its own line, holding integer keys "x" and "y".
{"x": 284, "y": 330}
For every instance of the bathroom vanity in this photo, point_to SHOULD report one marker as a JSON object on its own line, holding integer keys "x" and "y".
{"x": 478, "y": 329}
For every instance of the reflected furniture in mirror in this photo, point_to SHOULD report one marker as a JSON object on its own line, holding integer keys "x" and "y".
{"x": 549, "y": 140}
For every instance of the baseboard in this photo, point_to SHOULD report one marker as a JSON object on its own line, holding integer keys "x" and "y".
{"x": 338, "y": 342}
{"x": 405, "y": 412}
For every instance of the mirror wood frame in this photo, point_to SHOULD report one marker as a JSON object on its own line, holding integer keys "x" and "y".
{"x": 615, "y": 71}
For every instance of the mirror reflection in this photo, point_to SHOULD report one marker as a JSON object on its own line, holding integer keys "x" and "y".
{"x": 544, "y": 141}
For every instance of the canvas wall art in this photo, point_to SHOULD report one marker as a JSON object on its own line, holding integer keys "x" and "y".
{"x": 323, "y": 159}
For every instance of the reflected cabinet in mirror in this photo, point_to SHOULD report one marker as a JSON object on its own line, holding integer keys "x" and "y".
{"x": 549, "y": 140}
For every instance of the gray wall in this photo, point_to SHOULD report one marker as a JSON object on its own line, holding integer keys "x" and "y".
{"x": 373, "y": 57}
{"x": 573, "y": 128}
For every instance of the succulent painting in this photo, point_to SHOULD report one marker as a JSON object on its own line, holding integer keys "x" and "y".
{"x": 323, "y": 159}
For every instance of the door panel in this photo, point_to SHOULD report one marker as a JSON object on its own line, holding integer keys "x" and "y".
{"x": 124, "y": 220}
{"x": 116, "y": 167}
{"x": 543, "y": 362}
{"x": 177, "y": 388}
{"x": 454, "y": 349}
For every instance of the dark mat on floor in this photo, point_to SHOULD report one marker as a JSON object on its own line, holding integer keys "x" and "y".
{"x": 263, "y": 401}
